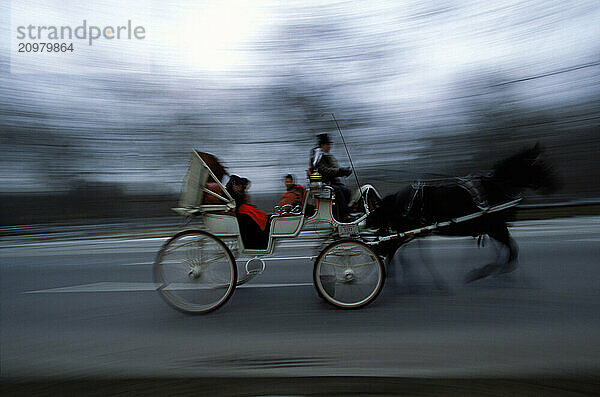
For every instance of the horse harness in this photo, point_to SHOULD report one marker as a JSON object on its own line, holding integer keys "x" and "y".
{"x": 471, "y": 183}
{"x": 416, "y": 196}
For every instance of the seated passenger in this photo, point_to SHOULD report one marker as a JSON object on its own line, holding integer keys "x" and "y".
{"x": 236, "y": 186}
{"x": 292, "y": 198}
{"x": 252, "y": 221}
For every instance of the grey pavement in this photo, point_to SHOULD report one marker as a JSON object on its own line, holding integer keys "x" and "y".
{"x": 81, "y": 308}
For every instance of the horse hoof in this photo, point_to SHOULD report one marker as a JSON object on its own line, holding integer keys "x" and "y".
{"x": 475, "y": 275}
{"x": 508, "y": 268}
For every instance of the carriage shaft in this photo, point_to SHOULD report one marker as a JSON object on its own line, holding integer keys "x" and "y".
{"x": 437, "y": 225}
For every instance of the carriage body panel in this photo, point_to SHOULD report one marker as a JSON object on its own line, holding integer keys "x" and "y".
{"x": 222, "y": 225}
{"x": 323, "y": 212}
{"x": 288, "y": 226}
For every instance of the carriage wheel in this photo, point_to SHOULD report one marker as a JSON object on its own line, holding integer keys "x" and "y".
{"x": 196, "y": 272}
{"x": 348, "y": 274}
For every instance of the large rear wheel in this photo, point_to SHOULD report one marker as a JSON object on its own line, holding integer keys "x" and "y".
{"x": 348, "y": 274}
{"x": 195, "y": 272}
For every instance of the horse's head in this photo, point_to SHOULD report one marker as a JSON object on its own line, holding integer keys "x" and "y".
{"x": 527, "y": 169}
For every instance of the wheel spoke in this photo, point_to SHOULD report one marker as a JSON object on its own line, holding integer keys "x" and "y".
{"x": 362, "y": 264}
{"x": 206, "y": 262}
{"x": 333, "y": 264}
{"x": 196, "y": 272}
{"x": 353, "y": 279}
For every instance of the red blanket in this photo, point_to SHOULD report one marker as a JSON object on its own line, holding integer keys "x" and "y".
{"x": 260, "y": 217}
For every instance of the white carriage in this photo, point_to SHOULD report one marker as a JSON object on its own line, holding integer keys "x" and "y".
{"x": 197, "y": 269}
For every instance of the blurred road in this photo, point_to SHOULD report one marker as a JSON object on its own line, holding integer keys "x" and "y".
{"x": 88, "y": 307}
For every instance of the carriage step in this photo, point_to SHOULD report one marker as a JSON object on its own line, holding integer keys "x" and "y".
{"x": 255, "y": 266}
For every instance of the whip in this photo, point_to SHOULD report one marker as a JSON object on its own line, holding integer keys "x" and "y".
{"x": 349, "y": 158}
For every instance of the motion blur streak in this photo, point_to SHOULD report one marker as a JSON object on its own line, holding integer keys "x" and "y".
{"x": 95, "y": 144}
{"x": 421, "y": 88}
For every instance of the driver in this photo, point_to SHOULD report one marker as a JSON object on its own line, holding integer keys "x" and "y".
{"x": 326, "y": 165}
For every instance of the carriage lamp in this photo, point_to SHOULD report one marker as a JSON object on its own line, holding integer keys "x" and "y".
{"x": 316, "y": 183}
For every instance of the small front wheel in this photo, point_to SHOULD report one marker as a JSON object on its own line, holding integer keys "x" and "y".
{"x": 195, "y": 272}
{"x": 348, "y": 274}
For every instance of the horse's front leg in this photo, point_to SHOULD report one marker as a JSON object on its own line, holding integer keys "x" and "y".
{"x": 408, "y": 271}
{"x": 390, "y": 252}
{"x": 395, "y": 256}
{"x": 390, "y": 270}
{"x": 408, "y": 274}
{"x": 425, "y": 253}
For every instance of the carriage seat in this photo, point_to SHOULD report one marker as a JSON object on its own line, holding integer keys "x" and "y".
{"x": 290, "y": 209}
{"x": 282, "y": 224}
{"x": 232, "y": 224}
{"x": 287, "y": 223}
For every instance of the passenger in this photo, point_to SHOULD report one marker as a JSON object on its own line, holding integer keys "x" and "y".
{"x": 252, "y": 221}
{"x": 326, "y": 165}
{"x": 236, "y": 186}
{"x": 293, "y": 196}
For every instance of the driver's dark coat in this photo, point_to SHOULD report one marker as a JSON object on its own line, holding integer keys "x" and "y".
{"x": 326, "y": 164}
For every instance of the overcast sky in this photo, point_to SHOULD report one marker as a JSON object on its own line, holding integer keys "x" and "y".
{"x": 395, "y": 57}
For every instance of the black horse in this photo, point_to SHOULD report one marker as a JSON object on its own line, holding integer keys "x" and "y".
{"x": 427, "y": 203}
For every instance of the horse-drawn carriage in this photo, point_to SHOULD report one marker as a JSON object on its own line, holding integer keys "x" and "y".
{"x": 197, "y": 269}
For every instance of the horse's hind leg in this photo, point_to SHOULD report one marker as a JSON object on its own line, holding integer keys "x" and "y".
{"x": 507, "y": 254}
{"x": 513, "y": 256}
{"x": 509, "y": 251}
